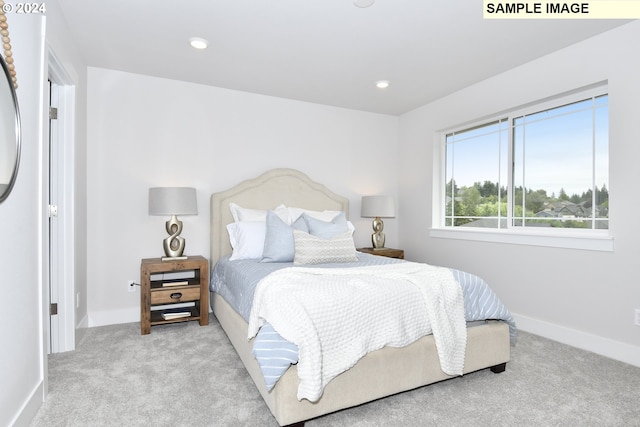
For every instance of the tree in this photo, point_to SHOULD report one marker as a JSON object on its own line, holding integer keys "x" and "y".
{"x": 535, "y": 201}
{"x": 470, "y": 201}
{"x": 488, "y": 199}
{"x": 451, "y": 189}
{"x": 602, "y": 196}
{"x": 563, "y": 195}
{"x": 488, "y": 189}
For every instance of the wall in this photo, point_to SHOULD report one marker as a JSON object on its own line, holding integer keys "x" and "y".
{"x": 580, "y": 297}
{"x": 22, "y": 365}
{"x": 145, "y": 132}
{"x": 23, "y": 266}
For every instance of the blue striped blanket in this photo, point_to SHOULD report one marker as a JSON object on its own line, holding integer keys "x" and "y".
{"x": 235, "y": 281}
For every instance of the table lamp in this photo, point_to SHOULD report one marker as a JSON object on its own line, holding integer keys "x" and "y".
{"x": 173, "y": 201}
{"x": 377, "y": 207}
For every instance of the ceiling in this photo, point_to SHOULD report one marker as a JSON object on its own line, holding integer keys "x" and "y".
{"x": 321, "y": 51}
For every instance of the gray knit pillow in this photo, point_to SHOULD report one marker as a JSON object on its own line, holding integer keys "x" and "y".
{"x": 315, "y": 250}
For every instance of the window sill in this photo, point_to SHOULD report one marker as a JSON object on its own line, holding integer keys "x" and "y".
{"x": 594, "y": 241}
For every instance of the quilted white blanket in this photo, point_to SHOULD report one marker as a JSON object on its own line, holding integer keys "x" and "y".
{"x": 337, "y": 315}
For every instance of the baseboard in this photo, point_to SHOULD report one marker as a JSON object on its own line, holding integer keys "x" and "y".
{"x": 113, "y": 317}
{"x": 617, "y": 350}
{"x": 83, "y": 323}
{"x": 30, "y": 408}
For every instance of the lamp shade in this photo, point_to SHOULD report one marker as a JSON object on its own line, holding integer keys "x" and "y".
{"x": 172, "y": 201}
{"x": 378, "y": 207}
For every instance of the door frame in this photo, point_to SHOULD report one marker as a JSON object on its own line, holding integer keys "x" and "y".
{"x": 61, "y": 287}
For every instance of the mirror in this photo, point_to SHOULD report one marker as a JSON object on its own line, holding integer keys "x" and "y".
{"x": 9, "y": 132}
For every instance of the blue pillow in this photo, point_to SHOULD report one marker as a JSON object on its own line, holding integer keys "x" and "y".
{"x": 324, "y": 229}
{"x": 278, "y": 240}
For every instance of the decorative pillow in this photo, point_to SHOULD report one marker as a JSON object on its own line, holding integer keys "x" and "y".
{"x": 315, "y": 250}
{"x": 327, "y": 229}
{"x": 247, "y": 239}
{"x": 243, "y": 214}
{"x": 278, "y": 240}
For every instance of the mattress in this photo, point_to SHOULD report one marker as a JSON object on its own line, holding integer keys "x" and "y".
{"x": 236, "y": 281}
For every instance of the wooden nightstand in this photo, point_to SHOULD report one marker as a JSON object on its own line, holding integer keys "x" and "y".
{"x": 388, "y": 252}
{"x": 160, "y": 291}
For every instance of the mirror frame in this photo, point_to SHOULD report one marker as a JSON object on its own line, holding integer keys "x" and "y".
{"x": 16, "y": 111}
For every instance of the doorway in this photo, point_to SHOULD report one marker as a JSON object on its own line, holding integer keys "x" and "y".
{"x": 61, "y": 289}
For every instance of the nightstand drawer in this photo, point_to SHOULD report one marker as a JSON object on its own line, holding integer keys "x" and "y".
{"x": 167, "y": 296}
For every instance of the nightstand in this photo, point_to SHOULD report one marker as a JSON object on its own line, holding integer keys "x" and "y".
{"x": 160, "y": 292}
{"x": 388, "y": 252}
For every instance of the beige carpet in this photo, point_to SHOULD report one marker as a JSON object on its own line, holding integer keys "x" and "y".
{"x": 188, "y": 375}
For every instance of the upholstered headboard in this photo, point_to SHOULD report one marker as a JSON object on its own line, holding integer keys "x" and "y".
{"x": 278, "y": 186}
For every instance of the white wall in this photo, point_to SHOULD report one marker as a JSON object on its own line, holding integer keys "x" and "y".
{"x": 22, "y": 357}
{"x": 145, "y": 132}
{"x": 23, "y": 254}
{"x": 584, "y": 298}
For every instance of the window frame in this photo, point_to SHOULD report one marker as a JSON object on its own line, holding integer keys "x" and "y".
{"x": 588, "y": 239}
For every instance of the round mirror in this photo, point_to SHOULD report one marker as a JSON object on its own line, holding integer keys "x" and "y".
{"x": 9, "y": 132}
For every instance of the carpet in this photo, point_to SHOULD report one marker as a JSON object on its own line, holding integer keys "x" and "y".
{"x": 189, "y": 375}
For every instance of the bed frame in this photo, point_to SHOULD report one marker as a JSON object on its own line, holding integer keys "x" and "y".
{"x": 381, "y": 373}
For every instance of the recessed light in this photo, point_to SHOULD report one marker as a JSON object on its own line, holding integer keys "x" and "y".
{"x": 382, "y": 84}
{"x": 198, "y": 43}
{"x": 363, "y": 3}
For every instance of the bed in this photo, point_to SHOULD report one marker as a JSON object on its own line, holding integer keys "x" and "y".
{"x": 380, "y": 373}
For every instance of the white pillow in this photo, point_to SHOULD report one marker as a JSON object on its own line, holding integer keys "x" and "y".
{"x": 243, "y": 214}
{"x": 295, "y": 213}
{"x": 327, "y": 216}
{"x": 247, "y": 239}
{"x": 315, "y": 250}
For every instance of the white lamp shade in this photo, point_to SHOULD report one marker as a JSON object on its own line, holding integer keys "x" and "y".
{"x": 378, "y": 206}
{"x": 172, "y": 201}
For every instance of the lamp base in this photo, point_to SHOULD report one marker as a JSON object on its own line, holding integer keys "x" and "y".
{"x": 174, "y": 244}
{"x": 377, "y": 238}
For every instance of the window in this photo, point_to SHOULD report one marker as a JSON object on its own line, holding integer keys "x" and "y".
{"x": 545, "y": 166}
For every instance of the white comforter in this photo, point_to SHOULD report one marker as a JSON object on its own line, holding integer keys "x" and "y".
{"x": 337, "y": 315}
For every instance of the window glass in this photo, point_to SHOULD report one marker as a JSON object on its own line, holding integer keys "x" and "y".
{"x": 559, "y": 175}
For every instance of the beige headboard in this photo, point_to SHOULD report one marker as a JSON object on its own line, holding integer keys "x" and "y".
{"x": 278, "y": 186}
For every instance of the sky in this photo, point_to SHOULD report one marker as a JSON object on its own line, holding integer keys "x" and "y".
{"x": 557, "y": 151}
